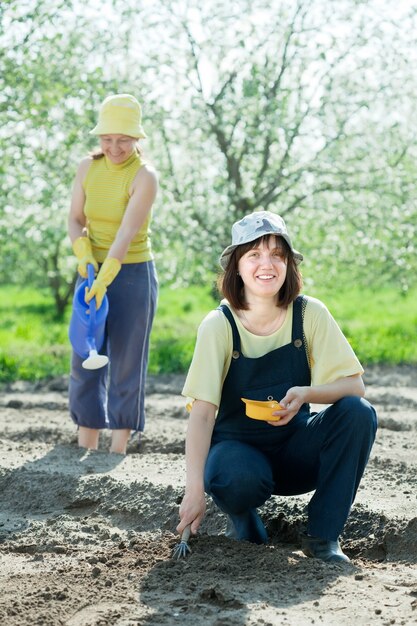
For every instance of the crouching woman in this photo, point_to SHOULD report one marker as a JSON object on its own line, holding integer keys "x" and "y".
{"x": 267, "y": 342}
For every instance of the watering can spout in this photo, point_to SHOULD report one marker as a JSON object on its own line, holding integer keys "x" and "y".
{"x": 86, "y": 331}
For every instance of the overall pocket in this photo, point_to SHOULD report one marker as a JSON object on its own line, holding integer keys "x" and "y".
{"x": 269, "y": 392}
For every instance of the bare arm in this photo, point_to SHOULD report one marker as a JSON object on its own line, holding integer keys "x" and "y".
{"x": 140, "y": 203}
{"x": 76, "y": 219}
{"x": 197, "y": 445}
{"x": 321, "y": 394}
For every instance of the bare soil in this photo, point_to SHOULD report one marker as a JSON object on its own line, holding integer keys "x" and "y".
{"x": 86, "y": 537}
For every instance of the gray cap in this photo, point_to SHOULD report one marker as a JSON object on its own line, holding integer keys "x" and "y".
{"x": 252, "y": 227}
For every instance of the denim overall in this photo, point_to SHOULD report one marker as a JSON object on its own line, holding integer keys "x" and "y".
{"x": 250, "y": 460}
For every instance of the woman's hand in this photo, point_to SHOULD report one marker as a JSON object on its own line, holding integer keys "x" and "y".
{"x": 108, "y": 272}
{"x": 192, "y": 511}
{"x": 291, "y": 403}
{"x": 319, "y": 394}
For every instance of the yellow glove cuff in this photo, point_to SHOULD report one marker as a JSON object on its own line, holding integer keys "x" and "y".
{"x": 83, "y": 252}
{"x": 82, "y": 247}
{"x": 109, "y": 270}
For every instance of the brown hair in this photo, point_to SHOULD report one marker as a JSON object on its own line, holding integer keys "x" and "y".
{"x": 230, "y": 283}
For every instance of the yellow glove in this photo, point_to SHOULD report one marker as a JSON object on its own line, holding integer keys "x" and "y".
{"x": 83, "y": 252}
{"x": 108, "y": 272}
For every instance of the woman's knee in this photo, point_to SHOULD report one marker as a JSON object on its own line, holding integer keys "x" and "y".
{"x": 360, "y": 413}
{"x": 236, "y": 468}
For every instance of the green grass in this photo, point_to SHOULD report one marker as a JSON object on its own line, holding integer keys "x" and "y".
{"x": 381, "y": 327}
{"x": 35, "y": 345}
{"x": 173, "y": 335}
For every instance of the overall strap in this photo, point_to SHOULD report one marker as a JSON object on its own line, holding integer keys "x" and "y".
{"x": 236, "y": 337}
{"x": 298, "y": 338}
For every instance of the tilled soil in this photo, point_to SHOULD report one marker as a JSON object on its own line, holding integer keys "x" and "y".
{"x": 86, "y": 537}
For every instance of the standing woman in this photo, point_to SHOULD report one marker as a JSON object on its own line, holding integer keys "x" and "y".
{"x": 267, "y": 342}
{"x": 109, "y": 218}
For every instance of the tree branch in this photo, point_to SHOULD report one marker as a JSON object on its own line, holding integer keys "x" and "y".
{"x": 176, "y": 190}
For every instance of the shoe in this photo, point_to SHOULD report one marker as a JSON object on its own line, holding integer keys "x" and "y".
{"x": 329, "y": 551}
{"x": 247, "y": 527}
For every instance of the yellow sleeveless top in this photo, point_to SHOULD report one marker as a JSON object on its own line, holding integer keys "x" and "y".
{"x": 106, "y": 187}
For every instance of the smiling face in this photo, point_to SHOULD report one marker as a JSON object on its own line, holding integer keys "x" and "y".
{"x": 232, "y": 287}
{"x": 117, "y": 148}
{"x": 263, "y": 268}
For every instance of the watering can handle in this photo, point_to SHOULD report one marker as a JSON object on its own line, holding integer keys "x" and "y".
{"x": 90, "y": 273}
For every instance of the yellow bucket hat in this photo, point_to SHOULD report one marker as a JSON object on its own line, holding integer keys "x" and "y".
{"x": 120, "y": 114}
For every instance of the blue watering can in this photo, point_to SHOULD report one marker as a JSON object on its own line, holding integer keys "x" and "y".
{"x": 86, "y": 330}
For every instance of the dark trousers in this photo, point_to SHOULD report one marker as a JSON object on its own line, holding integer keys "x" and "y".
{"x": 114, "y": 396}
{"x": 327, "y": 455}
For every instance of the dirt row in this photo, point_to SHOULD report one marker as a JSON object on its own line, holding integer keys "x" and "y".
{"x": 86, "y": 537}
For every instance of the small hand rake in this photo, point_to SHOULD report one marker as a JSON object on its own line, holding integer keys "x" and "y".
{"x": 182, "y": 549}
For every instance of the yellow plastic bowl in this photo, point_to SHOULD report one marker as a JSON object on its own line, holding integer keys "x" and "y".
{"x": 262, "y": 410}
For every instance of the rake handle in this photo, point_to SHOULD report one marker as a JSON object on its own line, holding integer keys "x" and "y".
{"x": 185, "y": 535}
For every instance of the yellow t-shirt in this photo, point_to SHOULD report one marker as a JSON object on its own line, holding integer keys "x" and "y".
{"x": 107, "y": 188}
{"x": 330, "y": 354}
